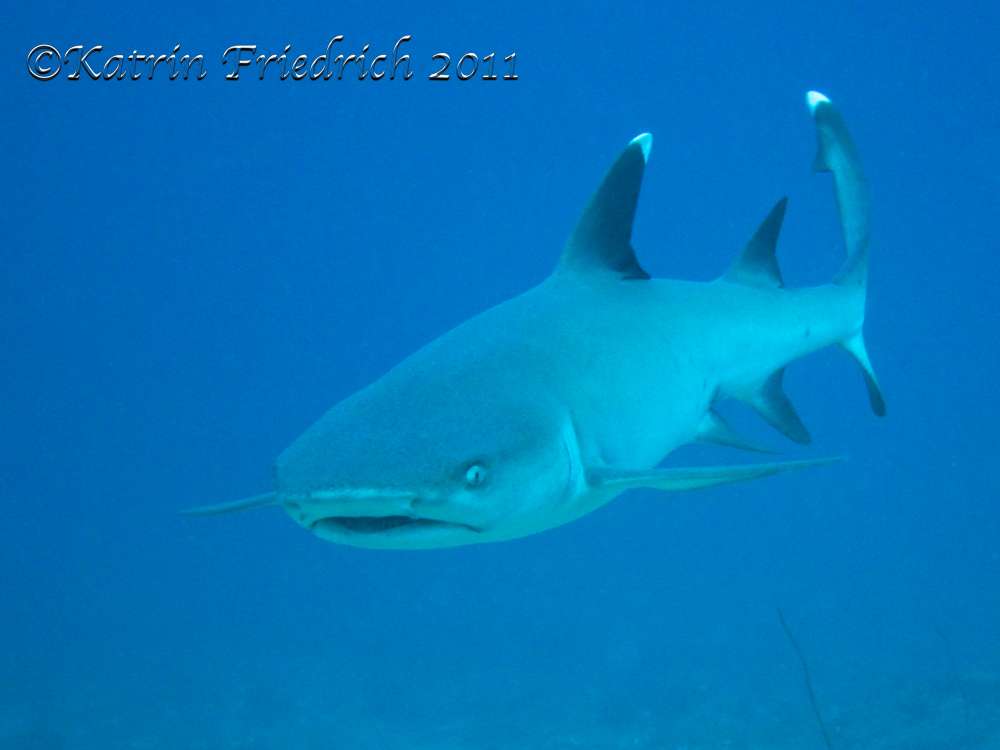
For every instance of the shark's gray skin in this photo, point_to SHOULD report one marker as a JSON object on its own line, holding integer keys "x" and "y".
{"x": 551, "y": 404}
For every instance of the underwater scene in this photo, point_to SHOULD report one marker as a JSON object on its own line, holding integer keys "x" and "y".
{"x": 520, "y": 376}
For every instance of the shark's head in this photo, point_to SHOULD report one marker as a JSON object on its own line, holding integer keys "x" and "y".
{"x": 407, "y": 466}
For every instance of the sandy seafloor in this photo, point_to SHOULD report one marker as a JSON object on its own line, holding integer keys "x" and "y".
{"x": 948, "y": 710}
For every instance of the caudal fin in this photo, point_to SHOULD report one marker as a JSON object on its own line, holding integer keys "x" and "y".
{"x": 836, "y": 153}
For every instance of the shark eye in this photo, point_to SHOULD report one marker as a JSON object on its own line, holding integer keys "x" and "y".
{"x": 475, "y": 475}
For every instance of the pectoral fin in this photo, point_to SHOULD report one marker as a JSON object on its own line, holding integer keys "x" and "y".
{"x": 247, "y": 503}
{"x": 676, "y": 480}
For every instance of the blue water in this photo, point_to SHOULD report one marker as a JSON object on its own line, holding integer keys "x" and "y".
{"x": 193, "y": 271}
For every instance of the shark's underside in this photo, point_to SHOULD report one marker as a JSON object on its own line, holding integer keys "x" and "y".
{"x": 549, "y": 405}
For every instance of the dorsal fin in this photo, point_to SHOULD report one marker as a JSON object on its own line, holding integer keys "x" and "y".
{"x": 758, "y": 265}
{"x": 602, "y": 239}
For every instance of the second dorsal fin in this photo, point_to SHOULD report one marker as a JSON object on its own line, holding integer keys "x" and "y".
{"x": 602, "y": 240}
{"x": 758, "y": 265}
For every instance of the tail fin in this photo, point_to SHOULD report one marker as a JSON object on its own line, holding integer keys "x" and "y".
{"x": 836, "y": 153}
{"x": 855, "y": 346}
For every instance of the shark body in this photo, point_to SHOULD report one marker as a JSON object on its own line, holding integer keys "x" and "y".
{"x": 551, "y": 404}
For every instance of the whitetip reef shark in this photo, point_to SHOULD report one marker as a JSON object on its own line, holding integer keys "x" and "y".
{"x": 549, "y": 405}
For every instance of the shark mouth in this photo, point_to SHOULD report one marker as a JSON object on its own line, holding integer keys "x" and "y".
{"x": 383, "y": 524}
{"x": 364, "y": 512}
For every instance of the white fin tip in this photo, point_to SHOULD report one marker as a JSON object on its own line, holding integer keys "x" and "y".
{"x": 645, "y": 141}
{"x": 814, "y": 99}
